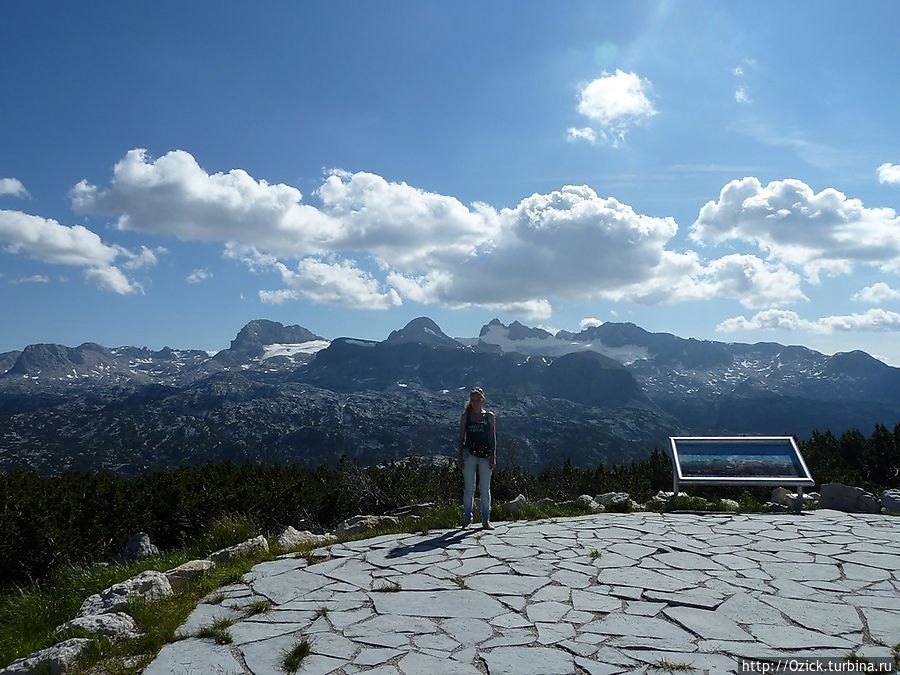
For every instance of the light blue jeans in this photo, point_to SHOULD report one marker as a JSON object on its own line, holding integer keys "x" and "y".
{"x": 470, "y": 462}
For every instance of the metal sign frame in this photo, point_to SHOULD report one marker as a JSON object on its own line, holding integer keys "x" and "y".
{"x": 799, "y": 482}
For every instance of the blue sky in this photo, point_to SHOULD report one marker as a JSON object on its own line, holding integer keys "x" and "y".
{"x": 729, "y": 171}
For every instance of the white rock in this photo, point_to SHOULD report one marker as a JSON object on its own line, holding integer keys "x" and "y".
{"x": 250, "y": 546}
{"x": 114, "y": 625}
{"x": 54, "y": 660}
{"x": 516, "y": 505}
{"x": 783, "y": 496}
{"x": 181, "y": 576}
{"x": 292, "y": 538}
{"x": 138, "y": 547}
{"x": 589, "y": 501}
{"x": 612, "y": 498}
{"x": 664, "y": 496}
{"x": 150, "y": 585}
{"x": 849, "y": 499}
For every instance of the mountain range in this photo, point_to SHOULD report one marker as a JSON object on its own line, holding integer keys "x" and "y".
{"x": 609, "y": 393}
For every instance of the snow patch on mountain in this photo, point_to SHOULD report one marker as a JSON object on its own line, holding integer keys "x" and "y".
{"x": 498, "y": 334}
{"x": 289, "y": 350}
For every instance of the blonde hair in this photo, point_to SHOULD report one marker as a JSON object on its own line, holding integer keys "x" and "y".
{"x": 476, "y": 390}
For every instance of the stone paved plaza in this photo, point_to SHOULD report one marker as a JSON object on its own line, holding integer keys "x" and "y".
{"x": 606, "y": 593}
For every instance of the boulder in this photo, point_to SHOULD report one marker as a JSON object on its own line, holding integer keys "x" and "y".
{"x": 516, "y": 505}
{"x": 589, "y": 502}
{"x": 545, "y": 502}
{"x": 663, "y": 496}
{"x": 783, "y": 496}
{"x": 730, "y": 504}
{"x": 181, "y": 576}
{"x": 138, "y": 547}
{"x": 612, "y": 498}
{"x": 115, "y": 625}
{"x": 358, "y": 524}
{"x": 54, "y": 660}
{"x": 890, "y": 500}
{"x": 254, "y": 545}
{"x": 848, "y": 499}
{"x": 291, "y": 538}
{"x": 150, "y": 585}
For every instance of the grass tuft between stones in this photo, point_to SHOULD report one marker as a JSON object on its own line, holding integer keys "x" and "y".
{"x": 218, "y": 631}
{"x": 387, "y": 587}
{"x": 672, "y": 667}
{"x": 293, "y": 658}
{"x": 258, "y": 607}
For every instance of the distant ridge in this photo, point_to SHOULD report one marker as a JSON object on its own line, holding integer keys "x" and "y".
{"x": 607, "y": 393}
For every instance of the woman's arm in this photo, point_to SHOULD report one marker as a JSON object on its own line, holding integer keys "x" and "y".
{"x": 462, "y": 437}
{"x": 492, "y": 419}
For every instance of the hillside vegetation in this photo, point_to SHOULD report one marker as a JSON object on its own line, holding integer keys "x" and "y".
{"x": 48, "y": 523}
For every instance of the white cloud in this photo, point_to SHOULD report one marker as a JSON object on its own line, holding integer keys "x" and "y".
{"x": 570, "y": 242}
{"x": 770, "y": 319}
{"x": 584, "y": 133}
{"x": 753, "y": 282}
{"x": 824, "y": 231}
{"x": 174, "y": 195}
{"x": 146, "y": 257}
{"x": 737, "y": 71}
{"x": 889, "y": 173}
{"x": 403, "y": 226}
{"x": 876, "y": 294}
{"x": 431, "y": 248}
{"x": 534, "y": 310}
{"x": 589, "y": 322}
{"x": 680, "y": 277}
{"x": 873, "y": 320}
{"x": 741, "y": 95}
{"x": 341, "y": 283}
{"x": 198, "y": 275}
{"x": 51, "y": 242}
{"x": 112, "y": 279}
{"x": 33, "y": 279}
{"x": 13, "y": 187}
{"x": 615, "y": 102}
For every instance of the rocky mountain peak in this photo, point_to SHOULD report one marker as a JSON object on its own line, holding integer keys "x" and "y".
{"x": 485, "y": 329}
{"x": 424, "y": 331}
{"x": 260, "y": 332}
{"x": 518, "y": 331}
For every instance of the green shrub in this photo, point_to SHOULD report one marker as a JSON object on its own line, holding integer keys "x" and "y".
{"x": 227, "y": 530}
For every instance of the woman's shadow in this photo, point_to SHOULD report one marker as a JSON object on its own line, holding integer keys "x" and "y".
{"x": 440, "y": 542}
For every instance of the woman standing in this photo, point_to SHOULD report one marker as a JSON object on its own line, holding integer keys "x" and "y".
{"x": 477, "y": 448}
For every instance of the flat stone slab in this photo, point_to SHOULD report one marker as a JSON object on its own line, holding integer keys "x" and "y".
{"x": 194, "y": 657}
{"x": 529, "y": 661}
{"x": 534, "y": 597}
{"x": 443, "y": 604}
